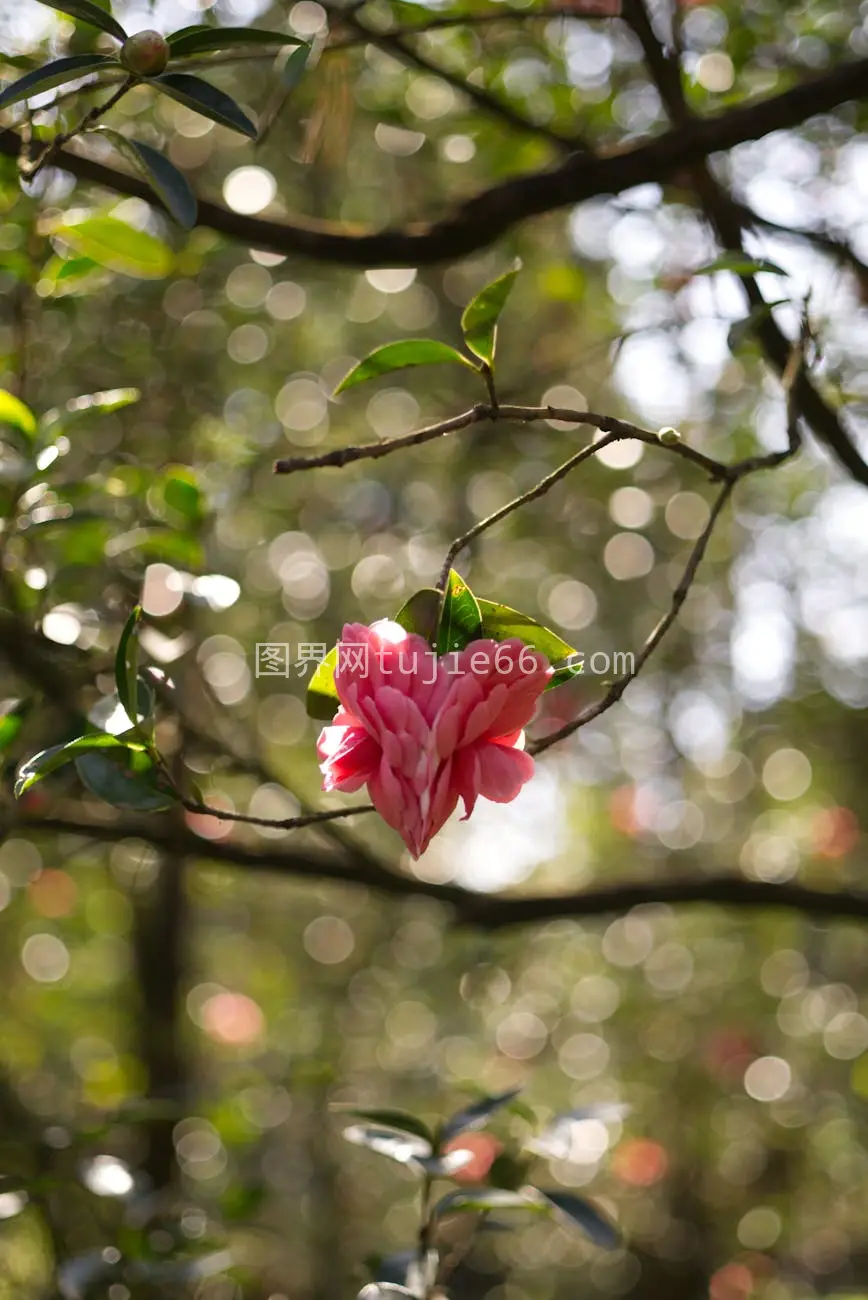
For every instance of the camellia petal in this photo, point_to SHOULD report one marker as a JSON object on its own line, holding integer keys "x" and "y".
{"x": 423, "y": 732}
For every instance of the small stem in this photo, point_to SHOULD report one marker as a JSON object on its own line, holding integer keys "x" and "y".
{"x": 488, "y": 376}
{"x": 85, "y": 124}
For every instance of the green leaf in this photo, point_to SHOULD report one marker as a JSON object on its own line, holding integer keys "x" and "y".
{"x": 85, "y": 11}
{"x": 54, "y": 74}
{"x": 11, "y": 722}
{"x": 170, "y": 186}
{"x": 401, "y": 1120}
{"x": 742, "y": 329}
{"x": 406, "y": 1148}
{"x": 79, "y": 409}
{"x": 500, "y": 623}
{"x": 461, "y": 618}
{"x": 479, "y": 321}
{"x": 49, "y": 760}
{"x": 13, "y": 411}
{"x": 485, "y": 1199}
{"x": 587, "y": 1216}
{"x": 295, "y": 67}
{"x": 126, "y": 665}
{"x": 421, "y": 613}
{"x": 322, "y": 697}
{"x": 206, "y": 99}
{"x": 200, "y": 39}
{"x": 740, "y": 264}
{"x": 177, "y": 498}
{"x": 398, "y": 356}
{"x": 119, "y": 247}
{"x": 127, "y": 779}
{"x": 476, "y": 1115}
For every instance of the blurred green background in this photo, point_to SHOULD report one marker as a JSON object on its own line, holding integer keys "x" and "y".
{"x": 183, "y": 999}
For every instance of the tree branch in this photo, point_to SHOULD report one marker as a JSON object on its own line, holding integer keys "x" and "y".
{"x": 479, "y": 221}
{"x": 478, "y": 910}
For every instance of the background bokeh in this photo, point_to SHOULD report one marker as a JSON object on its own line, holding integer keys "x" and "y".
{"x": 184, "y": 998}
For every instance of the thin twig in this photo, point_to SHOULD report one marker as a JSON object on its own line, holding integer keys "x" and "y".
{"x": 32, "y": 169}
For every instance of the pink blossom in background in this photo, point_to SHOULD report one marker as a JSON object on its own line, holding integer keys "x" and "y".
{"x": 423, "y": 732}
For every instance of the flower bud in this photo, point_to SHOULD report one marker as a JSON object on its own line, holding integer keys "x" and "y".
{"x": 669, "y": 437}
{"x": 146, "y": 54}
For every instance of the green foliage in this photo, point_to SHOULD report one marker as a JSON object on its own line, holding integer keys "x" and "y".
{"x": 170, "y": 186}
{"x": 500, "y": 623}
{"x": 460, "y": 617}
{"x": 126, "y": 664}
{"x": 118, "y": 246}
{"x": 56, "y": 73}
{"x": 399, "y": 356}
{"x": 49, "y": 760}
{"x": 738, "y": 264}
{"x": 206, "y": 99}
{"x": 198, "y": 39}
{"x": 14, "y": 413}
{"x": 86, "y": 11}
{"x": 479, "y": 321}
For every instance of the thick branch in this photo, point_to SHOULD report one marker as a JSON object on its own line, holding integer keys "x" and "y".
{"x": 478, "y": 222}
{"x": 482, "y": 911}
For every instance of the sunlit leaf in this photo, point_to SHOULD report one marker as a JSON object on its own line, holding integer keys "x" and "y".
{"x": 14, "y": 412}
{"x": 740, "y": 264}
{"x": 56, "y": 73}
{"x": 11, "y": 722}
{"x": 295, "y": 67}
{"x": 126, "y": 663}
{"x": 501, "y": 623}
{"x": 461, "y": 618}
{"x": 476, "y": 1115}
{"x": 322, "y": 697}
{"x": 170, "y": 186}
{"x": 82, "y": 408}
{"x": 118, "y": 247}
{"x": 399, "y": 356}
{"x": 85, "y": 11}
{"x": 49, "y": 760}
{"x": 206, "y": 99}
{"x": 406, "y": 1148}
{"x": 420, "y": 614}
{"x": 125, "y": 779}
{"x": 199, "y": 39}
{"x": 555, "y": 1140}
{"x": 479, "y": 321}
{"x": 579, "y": 1211}
{"x": 483, "y": 1199}
{"x": 383, "y": 1291}
{"x": 401, "y": 1120}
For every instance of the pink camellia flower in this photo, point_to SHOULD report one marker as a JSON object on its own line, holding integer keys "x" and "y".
{"x": 423, "y": 731}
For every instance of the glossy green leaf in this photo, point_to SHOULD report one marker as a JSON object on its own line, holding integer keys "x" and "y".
{"x": 56, "y": 73}
{"x": 740, "y": 264}
{"x": 587, "y": 1216}
{"x": 206, "y": 99}
{"x": 49, "y": 760}
{"x": 295, "y": 67}
{"x": 401, "y": 1120}
{"x": 479, "y": 321}
{"x": 741, "y": 330}
{"x": 484, "y": 1199}
{"x": 11, "y": 722}
{"x": 399, "y": 356}
{"x": 476, "y": 1115}
{"x": 125, "y": 779}
{"x": 79, "y": 409}
{"x": 421, "y": 614}
{"x": 126, "y": 664}
{"x": 170, "y": 186}
{"x": 406, "y": 1148}
{"x": 85, "y": 11}
{"x": 322, "y": 697}
{"x": 118, "y": 247}
{"x": 200, "y": 39}
{"x": 460, "y": 619}
{"x": 15, "y": 413}
{"x": 500, "y": 623}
